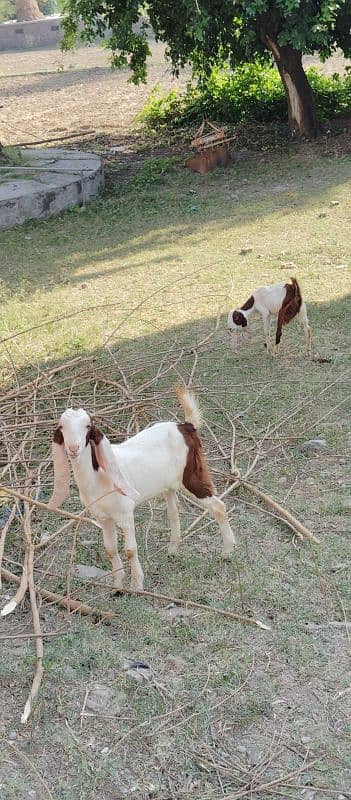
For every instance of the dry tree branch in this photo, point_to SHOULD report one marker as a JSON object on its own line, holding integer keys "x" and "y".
{"x": 44, "y": 634}
{"x": 60, "y": 600}
{"x": 250, "y": 790}
{"x": 29, "y": 762}
{"x": 44, "y": 506}
{"x": 70, "y": 569}
{"x": 36, "y": 625}
{"x": 4, "y": 533}
{"x": 75, "y": 605}
{"x": 148, "y": 297}
{"x": 179, "y": 601}
{"x": 292, "y": 522}
{"x": 22, "y": 588}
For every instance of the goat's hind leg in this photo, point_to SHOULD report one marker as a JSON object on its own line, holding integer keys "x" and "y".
{"x": 131, "y": 551}
{"x": 111, "y": 546}
{"x": 217, "y": 509}
{"x": 174, "y": 521}
{"x": 278, "y": 333}
{"x": 307, "y": 330}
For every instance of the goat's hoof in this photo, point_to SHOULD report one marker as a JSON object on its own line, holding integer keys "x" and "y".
{"x": 227, "y": 554}
{"x": 173, "y": 549}
{"x": 116, "y": 593}
{"x": 137, "y": 586}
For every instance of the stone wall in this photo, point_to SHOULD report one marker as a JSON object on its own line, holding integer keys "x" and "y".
{"x": 48, "y": 182}
{"x": 25, "y": 35}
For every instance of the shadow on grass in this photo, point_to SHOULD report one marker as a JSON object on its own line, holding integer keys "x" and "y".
{"x": 155, "y": 361}
{"x": 165, "y": 217}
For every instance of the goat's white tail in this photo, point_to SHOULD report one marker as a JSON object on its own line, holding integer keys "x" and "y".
{"x": 190, "y": 406}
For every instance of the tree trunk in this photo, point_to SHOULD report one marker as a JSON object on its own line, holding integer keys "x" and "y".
{"x": 301, "y": 108}
{"x": 27, "y": 10}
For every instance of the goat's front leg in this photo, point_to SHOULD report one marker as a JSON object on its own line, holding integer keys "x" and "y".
{"x": 111, "y": 546}
{"x": 266, "y": 319}
{"x": 174, "y": 521}
{"x": 131, "y": 551}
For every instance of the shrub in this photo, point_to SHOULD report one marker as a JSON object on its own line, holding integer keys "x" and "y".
{"x": 7, "y": 10}
{"x": 332, "y": 93}
{"x": 250, "y": 93}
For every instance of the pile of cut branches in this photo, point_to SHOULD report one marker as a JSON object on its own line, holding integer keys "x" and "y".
{"x": 123, "y": 401}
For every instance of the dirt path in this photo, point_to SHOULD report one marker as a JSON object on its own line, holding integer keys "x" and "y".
{"x": 47, "y": 93}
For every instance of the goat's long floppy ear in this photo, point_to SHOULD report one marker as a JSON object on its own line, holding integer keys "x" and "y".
{"x": 239, "y": 319}
{"x": 107, "y": 461}
{"x": 61, "y": 472}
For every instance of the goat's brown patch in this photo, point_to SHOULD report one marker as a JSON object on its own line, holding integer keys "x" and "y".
{"x": 58, "y": 436}
{"x": 248, "y": 304}
{"x": 239, "y": 319}
{"x": 196, "y": 476}
{"x": 290, "y": 306}
{"x": 94, "y": 436}
{"x": 94, "y": 460}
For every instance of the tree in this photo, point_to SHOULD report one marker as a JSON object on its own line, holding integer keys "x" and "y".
{"x": 205, "y": 32}
{"x": 27, "y": 10}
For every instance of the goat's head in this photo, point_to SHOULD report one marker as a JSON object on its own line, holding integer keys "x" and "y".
{"x": 237, "y": 323}
{"x": 75, "y": 432}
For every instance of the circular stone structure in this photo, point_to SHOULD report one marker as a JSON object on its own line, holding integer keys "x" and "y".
{"x": 47, "y": 182}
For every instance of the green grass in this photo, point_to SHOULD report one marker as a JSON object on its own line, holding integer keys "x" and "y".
{"x": 168, "y": 246}
{"x": 122, "y": 249}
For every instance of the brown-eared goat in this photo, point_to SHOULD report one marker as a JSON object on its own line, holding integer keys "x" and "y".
{"x": 113, "y": 479}
{"x": 283, "y": 301}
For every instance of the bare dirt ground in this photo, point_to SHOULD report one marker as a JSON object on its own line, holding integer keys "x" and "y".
{"x": 46, "y": 93}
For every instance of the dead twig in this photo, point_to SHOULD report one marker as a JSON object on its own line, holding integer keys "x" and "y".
{"x": 21, "y": 591}
{"x": 250, "y": 790}
{"x": 33, "y": 635}
{"x": 45, "y": 507}
{"x": 38, "y": 676}
{"x": 4, "y": 534}
{"x": 72, "y": 605}
{"x": 31, "y": 765}
{"x": 192, "y": 604}
{"x": 292, "y": 522}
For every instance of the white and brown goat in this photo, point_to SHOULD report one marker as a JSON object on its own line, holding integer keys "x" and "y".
{"x": 283, "y": 301}
{"x": 113, "y": 479}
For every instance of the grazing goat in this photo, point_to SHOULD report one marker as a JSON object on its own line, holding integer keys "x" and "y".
{"x": 282, "y": 300}
{"x": 113, "y": 479}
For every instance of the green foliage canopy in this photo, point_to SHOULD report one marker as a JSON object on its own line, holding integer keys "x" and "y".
{"x": 208, "y": 32}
